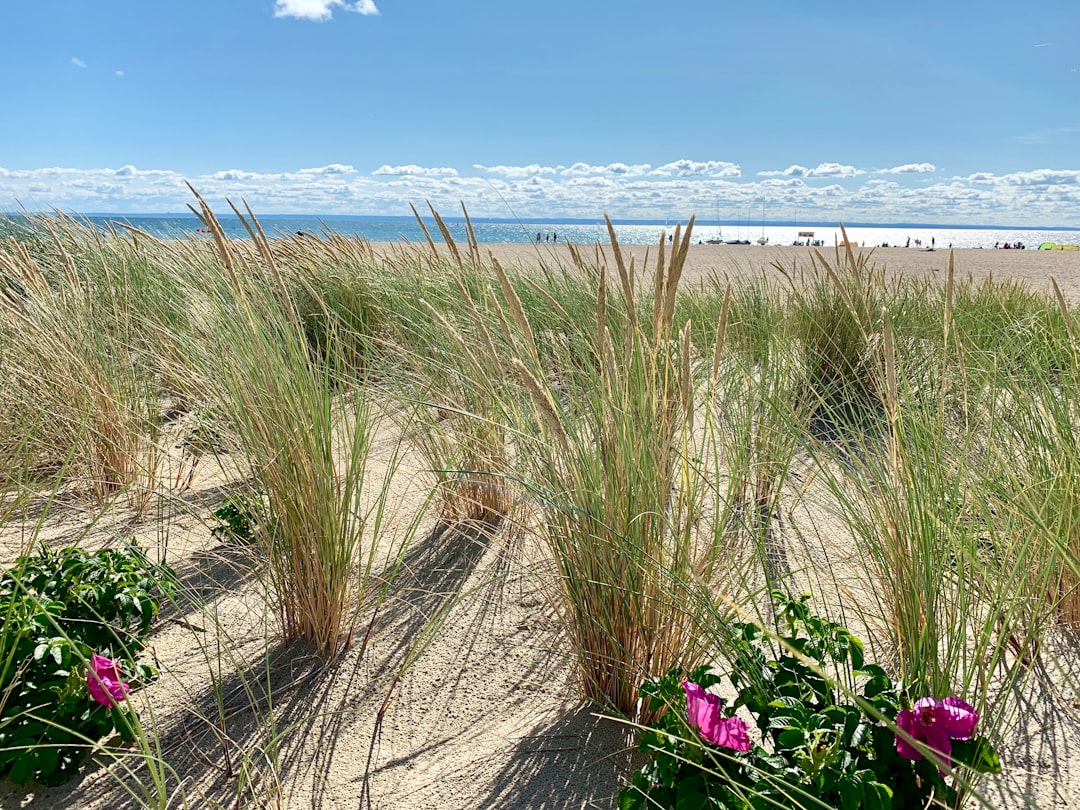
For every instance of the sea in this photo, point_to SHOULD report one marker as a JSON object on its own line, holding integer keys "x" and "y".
{"x": 584, "y": 232}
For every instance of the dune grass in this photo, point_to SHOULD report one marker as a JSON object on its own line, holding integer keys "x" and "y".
{"x": 651, "y": 440}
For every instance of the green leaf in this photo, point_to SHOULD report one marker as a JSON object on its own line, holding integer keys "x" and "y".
{"x": 850, "y": 788}
{"x": 791, "y": 738}
{"x": 22, "y": 771}
{"x": 47, "y": 758}
{"x": 630, "y": 798}
{"x": 877, "y": 796}
{"x": 977, "y": 754}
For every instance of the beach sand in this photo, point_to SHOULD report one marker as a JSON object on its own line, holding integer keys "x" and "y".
{"x": 488, "y": 717}
{"x": 705, "y": 262}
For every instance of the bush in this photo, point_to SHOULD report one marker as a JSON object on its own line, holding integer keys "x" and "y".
{"x": 61, "y": 609}
{"x": 819, "y": 743}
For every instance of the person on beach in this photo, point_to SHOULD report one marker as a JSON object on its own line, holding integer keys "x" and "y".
{"x": 538, "y": 237}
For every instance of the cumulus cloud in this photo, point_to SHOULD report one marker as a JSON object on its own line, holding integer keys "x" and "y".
{"x": 1042, "y": 177}
{"x": 414, "y": 171}
{"x": 532, "y": 170}
{"x": 1037, "y": 178}
{"x": 1034, "y": 198}
{"x": 333, "y": 168}
{"x": 611, "y": 170}
{"x": 321, "y": 10}
{"x": 910, "y": 168}
{"x": 822, "y": 170}
{"x": 77, "y": 62}
{"x": 698, "y": 168}
{"x": 235, "y": 174}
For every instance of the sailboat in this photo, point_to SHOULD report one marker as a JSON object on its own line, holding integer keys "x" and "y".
{"x": 763, "y": 239}
{"x": 739, "y": 241}
{"x": 719, "y": 238}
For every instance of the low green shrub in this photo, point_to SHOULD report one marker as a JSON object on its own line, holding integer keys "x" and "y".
{"x": 820, "y": 744}
{"x": 73, "y": 621}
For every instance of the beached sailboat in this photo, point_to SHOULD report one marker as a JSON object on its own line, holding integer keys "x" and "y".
{"x": 739, "y": 241}
{"x": 763, "y": 239}
{"x": 719, "y": 238}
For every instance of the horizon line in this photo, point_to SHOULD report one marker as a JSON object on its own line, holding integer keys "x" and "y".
{"x": 552, "y": 220}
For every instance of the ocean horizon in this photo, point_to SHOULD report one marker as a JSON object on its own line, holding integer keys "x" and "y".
{"x": 406, "y": 229}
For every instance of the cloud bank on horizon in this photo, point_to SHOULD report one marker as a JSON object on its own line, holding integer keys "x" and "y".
{"x": 829, "y": 192}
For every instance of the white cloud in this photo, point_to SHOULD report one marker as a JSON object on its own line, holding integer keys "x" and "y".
{"x": 610, "y": 170}
{"x": 321, "y": 10}
{"x": 333, "y": 168}
{"x": 697, "y": 168}
{"x": 236, "y": 174}
{"x": 822, "y": 170}
{"x": 531, "y": 170}
{"x": 77, "y": 62}
{"x": 791, "y": 171}
{"x": 414, "y": 171}
{"x": 1039, "y": 177}
{"x": 1042, "y": 177}
{"x": 910, "y": 168}
{"x": 120, "y": 73}
{"x": 1037, "y": 197}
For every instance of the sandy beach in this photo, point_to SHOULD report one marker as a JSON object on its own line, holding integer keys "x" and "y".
{"x": 488, "y": 718}
{"x": 704, "y": 262}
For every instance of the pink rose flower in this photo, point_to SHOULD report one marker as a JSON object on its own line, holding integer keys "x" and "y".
{"x": 706, "y": 716}
{"x": 936, "y": 723}
{"x": 103, "y": 681}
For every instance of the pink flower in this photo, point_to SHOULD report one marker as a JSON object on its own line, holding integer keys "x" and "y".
{"x": 705, "y": 715}
{"x": 936, "y": 723}
{"x": 103, "y": 681}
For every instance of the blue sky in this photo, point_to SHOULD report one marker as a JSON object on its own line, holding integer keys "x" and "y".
{"x": 945, "y": 112}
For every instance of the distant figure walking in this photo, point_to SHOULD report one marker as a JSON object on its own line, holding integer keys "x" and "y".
{"x": 933, "y": 239}
{"x": 538, "y": 237}
{"x": 908, "y": 242}
{"x": 554, "y": 237}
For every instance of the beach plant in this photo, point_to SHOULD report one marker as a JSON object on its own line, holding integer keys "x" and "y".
{"x": 238, "y": 518}
{"x": 1036, "y": 493}
{"x": 86, "y": 368}
{"x": 956, "y": 569}
{"x": 832, "y": 730}
{"x": 74, "y": 353}
{"x": 458, "y": 430}
{"x": 305, "y": 438}
{"x": 606, "y": 455}
{"x": 74, "y": 622}
{"x": 331, "y": 284}
{"x": 752, "y": 424}
{"x": 834, "y": 323}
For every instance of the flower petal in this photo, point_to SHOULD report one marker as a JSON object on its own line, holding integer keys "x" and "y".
{"x": 702, "y": 709}
{"x": 907, "y": 723}
{"x": 731, "y": 732}
{"x": 103, "y": 681}
{"x": 938, "y": 739}
{"x": 959, "y": 718}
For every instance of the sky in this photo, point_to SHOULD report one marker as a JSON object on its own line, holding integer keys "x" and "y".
{"x": 917, "y": 112}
